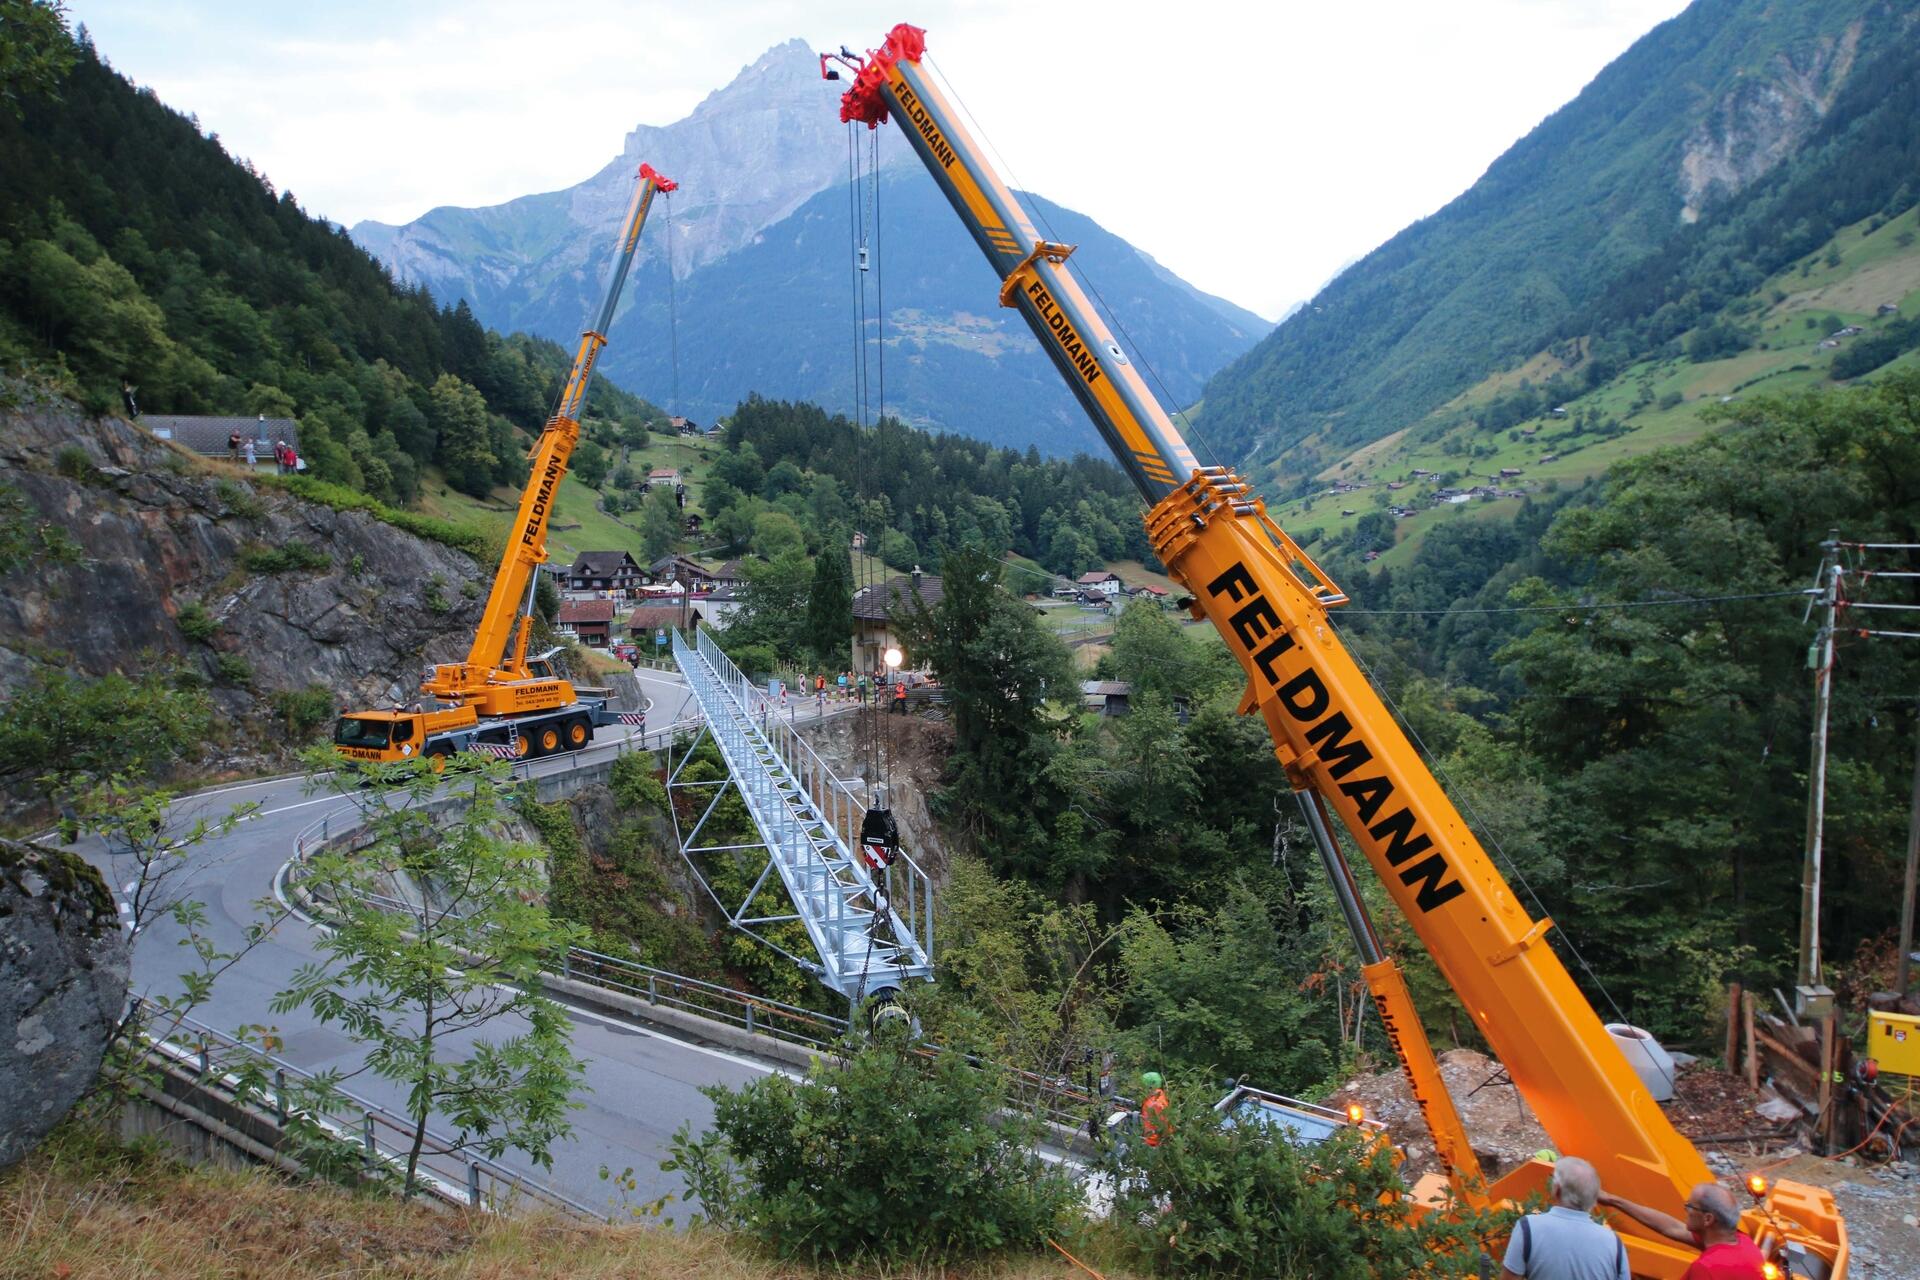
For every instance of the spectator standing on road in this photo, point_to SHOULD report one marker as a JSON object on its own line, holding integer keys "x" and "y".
{"x": 1712, "y": 1227}
{"x": 233, "y": 447}
{"x": 252, "y": 456}
{"x": 1565, "y": 1243}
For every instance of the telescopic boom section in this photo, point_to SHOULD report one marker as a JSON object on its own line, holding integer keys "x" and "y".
{"x": 1329, "y": 728}
{"x": 490, "y": 661}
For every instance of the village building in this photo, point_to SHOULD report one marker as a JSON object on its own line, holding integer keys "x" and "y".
{"x": 720, "y": 604}
{"x": 690, "y": 574}
{"x": 876, "y": 606}
{"x": 1100, "y": 582}
{"x": 615, "y": 571}
{"x": 588, "y": 621}
{"x": 1108, "y": 697}
{"x": 649, "y": 624}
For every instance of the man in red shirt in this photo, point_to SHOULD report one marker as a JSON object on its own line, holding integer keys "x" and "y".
{"x": 1712, "y": 1227}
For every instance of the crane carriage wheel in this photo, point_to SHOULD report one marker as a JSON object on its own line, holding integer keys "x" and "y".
{"x": 579, "y": 733}
{"x": 546, "y": 740}
{"x": 437, "y": 757}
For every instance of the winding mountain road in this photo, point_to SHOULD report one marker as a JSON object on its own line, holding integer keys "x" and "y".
{"x": 641, "y": 1084}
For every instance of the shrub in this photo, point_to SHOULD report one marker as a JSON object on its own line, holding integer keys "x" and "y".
{"x": 238, "y": 499}
{"x": 289, "y": 556}
{"x": 196, "y": 623}
{"x": 634, "y": 785}
{"x": 73, "y": 463}
{"x": 891, "y": 1158}
{"x": 1241, "y": 1200}
{"x": 59, "y": 725}
{"x": 231, "y": 668}
{"x": 436, "y": 593}
{"x": 304, "y": 710}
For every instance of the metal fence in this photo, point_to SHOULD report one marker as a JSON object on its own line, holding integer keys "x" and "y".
{"x": 251, "y": 1076}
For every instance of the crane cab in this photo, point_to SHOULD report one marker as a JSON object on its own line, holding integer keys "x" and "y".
{"x": 379, "y": 735}
{"x": 384, "y": 737}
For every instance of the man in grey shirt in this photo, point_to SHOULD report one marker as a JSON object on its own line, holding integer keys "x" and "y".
{"x": 1565, "y": 1243}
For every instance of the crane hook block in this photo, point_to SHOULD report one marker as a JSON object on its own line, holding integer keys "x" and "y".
{"x": 879, "y": 838}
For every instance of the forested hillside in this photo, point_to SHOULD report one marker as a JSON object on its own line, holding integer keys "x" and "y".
{"x": 1613, "y": 690}
{"x": 135, "y": 250}
{"x": 1621, "y": 214}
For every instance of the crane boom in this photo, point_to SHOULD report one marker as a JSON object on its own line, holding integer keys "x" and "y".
{"x": 1330, "y": 730}
{"x": 497, "y": 701}
{"x": 527, "y": 539}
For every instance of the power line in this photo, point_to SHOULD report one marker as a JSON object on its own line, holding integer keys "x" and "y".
{"x": 1573, "y": 608}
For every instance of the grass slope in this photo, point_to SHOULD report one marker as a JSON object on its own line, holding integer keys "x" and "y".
{"x": 1656, "y": 403}
{"x": 79, "y": 1207}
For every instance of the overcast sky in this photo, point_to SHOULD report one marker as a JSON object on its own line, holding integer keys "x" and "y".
{"x": 1253, "y": 148}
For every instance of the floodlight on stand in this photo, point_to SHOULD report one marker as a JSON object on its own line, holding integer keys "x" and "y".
{"x": 892, "y": 656}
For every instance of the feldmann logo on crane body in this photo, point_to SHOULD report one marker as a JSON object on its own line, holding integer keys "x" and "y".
{"x": 924, "y": 122}
{"x": 537, "y": 517}
{"x": 1306, "y": 700}
{"x": 1071, "y": 343}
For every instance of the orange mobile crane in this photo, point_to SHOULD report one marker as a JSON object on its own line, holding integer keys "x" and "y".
{"x": 499, "y": 700}
{"x": 1340, "y": 748}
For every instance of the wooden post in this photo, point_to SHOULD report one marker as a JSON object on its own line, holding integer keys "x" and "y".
{"x": 1753, "y": 1046}
{"x": 1731, "y": 1057}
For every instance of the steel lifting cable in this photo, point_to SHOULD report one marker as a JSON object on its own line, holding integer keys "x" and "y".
{"x": 673, "y": 318}
{"x": 864, "y": 580}
{"x": 879, "y": 293}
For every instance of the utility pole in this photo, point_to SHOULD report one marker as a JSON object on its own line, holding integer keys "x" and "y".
{"x": 1913, "y": 866}
{"x": 1812, "y": 997}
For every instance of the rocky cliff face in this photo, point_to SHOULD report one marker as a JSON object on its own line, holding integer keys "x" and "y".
{"x": 745, "y": 158}
{"x": 66, "y": 963}
{"x": 126, "y": 532}
{"x": 910, "y": 755}
{"x": 1763, "y": 120}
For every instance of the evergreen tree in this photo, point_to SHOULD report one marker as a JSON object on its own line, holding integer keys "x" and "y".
{"x": 659, "y": 522}
{"x": 830, "y": 606}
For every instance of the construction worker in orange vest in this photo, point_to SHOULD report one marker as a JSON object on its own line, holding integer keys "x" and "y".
{"x": 900, "y": 695}
{"x": 1153, "y": 1109}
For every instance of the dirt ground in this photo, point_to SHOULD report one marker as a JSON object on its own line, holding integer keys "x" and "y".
{"x": 1881, "y": 1203}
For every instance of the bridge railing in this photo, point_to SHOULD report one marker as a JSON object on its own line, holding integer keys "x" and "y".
{"x": 358, "y": 1129}
{"x": 809, "y": 820}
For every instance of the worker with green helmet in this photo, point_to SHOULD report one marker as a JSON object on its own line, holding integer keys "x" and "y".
{"x": 1153, "y": 1108}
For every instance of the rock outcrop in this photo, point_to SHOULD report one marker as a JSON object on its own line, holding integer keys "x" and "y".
{"x": 133, "y": 553}
{"x": 1762, "y": 121}
{"x": 65, "y": 962}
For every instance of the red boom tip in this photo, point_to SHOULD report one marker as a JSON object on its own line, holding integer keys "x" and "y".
{"x": 865, "y": 102}
{"x": 665, "y": 184}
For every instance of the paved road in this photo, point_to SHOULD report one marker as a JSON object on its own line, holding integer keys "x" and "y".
{"x": 642, "y": 1084}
